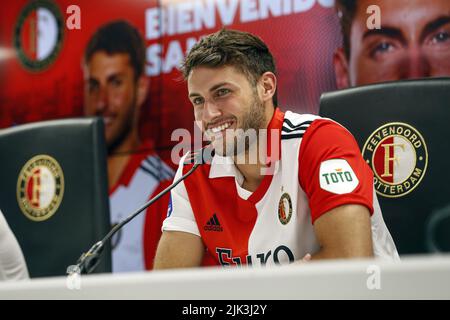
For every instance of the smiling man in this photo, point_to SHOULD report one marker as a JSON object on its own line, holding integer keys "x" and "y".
{"x": 115, "y": 89}
{"x": 413, "y": 42}
{"x": 309, "y": 195}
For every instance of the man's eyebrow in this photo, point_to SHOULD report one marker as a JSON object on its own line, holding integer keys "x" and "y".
{"x": 114, "y": 76}
{"x": 217, "y": 86}
{"x": 386, "y": 31}
{"x": 434, "y": 25}
{"x": 194, "y": 94}
{"x": 214, "y": 87}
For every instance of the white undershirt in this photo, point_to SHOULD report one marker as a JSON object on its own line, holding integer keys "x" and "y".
{"x": 243, "y": 193}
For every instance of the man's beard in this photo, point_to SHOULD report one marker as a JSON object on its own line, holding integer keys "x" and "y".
{"x": 239, "y": 141}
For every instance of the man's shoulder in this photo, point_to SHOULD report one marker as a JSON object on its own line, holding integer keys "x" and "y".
{"x": 298, "y": 118}
{"x": 295, "y": 125}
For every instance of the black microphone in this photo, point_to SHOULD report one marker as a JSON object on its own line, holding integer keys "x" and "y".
{"x": 88, "y": 261}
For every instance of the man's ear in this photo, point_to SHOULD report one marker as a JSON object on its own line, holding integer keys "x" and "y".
{"x": 341, "y": 69}
{"x": 268, "y": 83}
{"x": 142, "y": 89}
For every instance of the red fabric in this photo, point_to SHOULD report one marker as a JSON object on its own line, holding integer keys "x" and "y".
{"x": 276, "y": 123}
{"x": 219, "y": 196}
{"x": 326, "y": 140}
{"x": 236, "y": 216}
{"x": 154, "y": 218}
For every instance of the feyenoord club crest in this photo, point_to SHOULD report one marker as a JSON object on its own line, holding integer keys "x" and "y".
{"x": 40, "y": 188}
{"x": 285, "y": 209}
{"x": 38, "y": 34}
{"x": 398, "y": 156}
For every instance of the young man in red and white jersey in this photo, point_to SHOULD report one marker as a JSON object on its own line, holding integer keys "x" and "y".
{"x": 309, "y": 195}
{"x": 115, "y": 89}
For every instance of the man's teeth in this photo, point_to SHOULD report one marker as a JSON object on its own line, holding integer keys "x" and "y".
{"x": 220, "y": 128}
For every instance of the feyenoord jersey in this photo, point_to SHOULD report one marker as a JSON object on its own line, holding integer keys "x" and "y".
{"x": 319, "y": 168}
{"x": 135, "y": 245}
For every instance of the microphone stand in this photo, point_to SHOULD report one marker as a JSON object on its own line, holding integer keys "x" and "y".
{"x": 88, "y": 261}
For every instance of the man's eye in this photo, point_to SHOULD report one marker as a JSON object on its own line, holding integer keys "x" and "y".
{"x": 116, "y": 82}
{"x": 222, "y": 92}
{"x": 441, "y": 37}
{"x": 383, "y": 47}
{"x": 197, "y": 101}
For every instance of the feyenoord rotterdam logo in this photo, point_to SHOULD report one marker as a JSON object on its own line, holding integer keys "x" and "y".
{"x": 38, "y": 34}
{"x": 285, "y": 209}
{"x": 40, "y": 188}
{"x": 397, "y": 154}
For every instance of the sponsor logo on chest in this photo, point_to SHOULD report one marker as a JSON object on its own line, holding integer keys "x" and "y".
{"x": 281, "y": 254}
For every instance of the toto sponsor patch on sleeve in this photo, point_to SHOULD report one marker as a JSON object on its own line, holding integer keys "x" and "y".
{"x": 337, "y": 176}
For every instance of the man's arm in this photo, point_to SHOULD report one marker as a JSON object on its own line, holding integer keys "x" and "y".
{"x": 12, "y": 261}
{"x": 179, "y": 250}
{"x": 344, "y": 232}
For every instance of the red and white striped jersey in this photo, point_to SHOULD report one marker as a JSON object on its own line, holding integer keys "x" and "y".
{"x": 319, "y": 168}
{"x": 144, "y": 177}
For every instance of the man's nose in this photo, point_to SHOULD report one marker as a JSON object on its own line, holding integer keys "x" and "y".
{"x": 416, "y": 65}
{"x": 102, "y": 99}
{"x": 210, "y": 111}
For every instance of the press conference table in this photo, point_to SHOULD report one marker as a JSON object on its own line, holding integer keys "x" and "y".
{"x": 422, "y": 277}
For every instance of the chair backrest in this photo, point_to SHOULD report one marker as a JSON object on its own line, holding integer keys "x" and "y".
{"x": 53, "y": 191}
{"x": 403, "y": 130}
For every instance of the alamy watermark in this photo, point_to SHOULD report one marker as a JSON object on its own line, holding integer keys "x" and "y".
{"x": 374, "y": 20}
{"x": 251, "y": 146}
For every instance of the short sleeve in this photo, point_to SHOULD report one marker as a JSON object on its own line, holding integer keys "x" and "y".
{"x": 180, "y": 216}
{"x": 332, "y": 171}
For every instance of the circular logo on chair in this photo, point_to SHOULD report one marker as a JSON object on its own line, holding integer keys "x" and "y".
{"x": 285, "y": 208}
{"x": 38, "y": 34}
{"x": 40, "y": 188}
{"x": 398, "y": 156}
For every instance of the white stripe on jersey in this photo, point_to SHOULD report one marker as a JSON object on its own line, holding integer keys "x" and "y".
{"x": 295, "y": 125}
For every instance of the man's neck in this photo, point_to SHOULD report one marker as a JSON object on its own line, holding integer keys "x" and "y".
{"x": 251, "y": 167}
{"x": 252, "y": 176}
{"x": 253, "y": 172}
{"x": 118, "y": 158}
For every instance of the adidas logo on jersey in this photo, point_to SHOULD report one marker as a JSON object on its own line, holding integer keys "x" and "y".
{"x": 213, "y": 224}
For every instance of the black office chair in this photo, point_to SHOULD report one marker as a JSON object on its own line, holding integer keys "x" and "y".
{"x": 403, "y": 130}
{"x": 53, "y": 191}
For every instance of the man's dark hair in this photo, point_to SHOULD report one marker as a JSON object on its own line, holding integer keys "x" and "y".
{"x": 118, "y": 37}
{"x": 346, "y": 10}
{"x": 242, "y": 50}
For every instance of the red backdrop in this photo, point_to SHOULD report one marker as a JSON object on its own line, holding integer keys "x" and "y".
{"x": 302, "y": 43}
